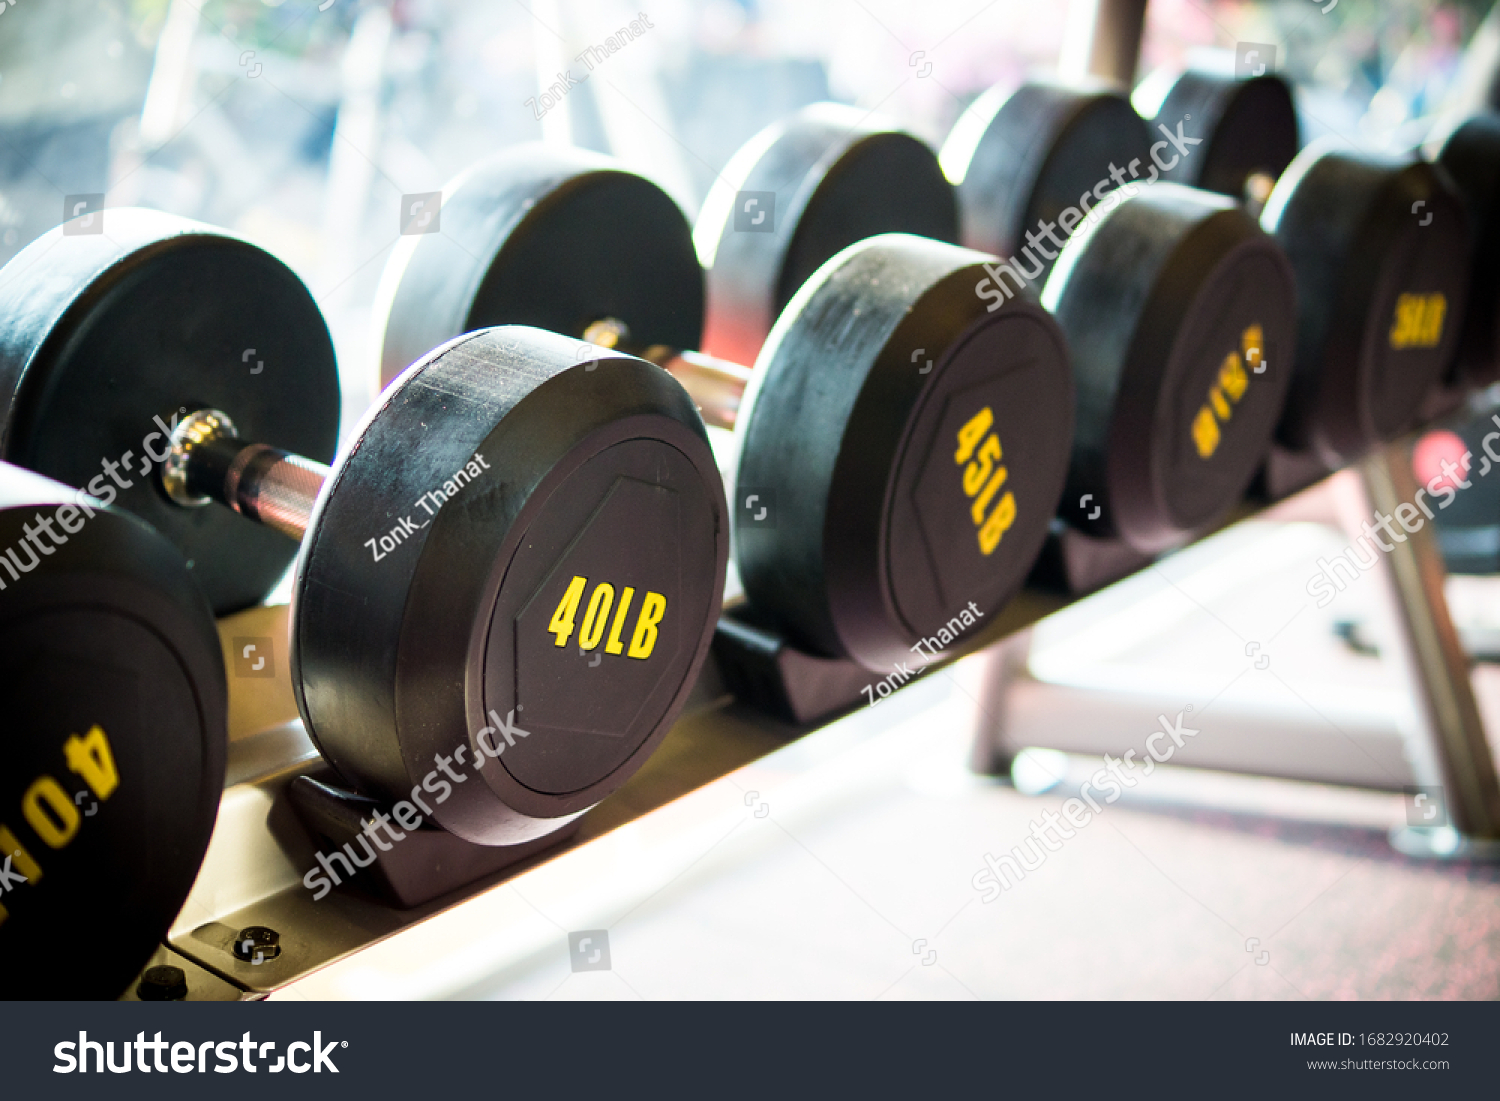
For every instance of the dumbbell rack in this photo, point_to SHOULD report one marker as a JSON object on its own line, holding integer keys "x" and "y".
{"x": 278, "y": 785}
{"x": 263, "y": 846}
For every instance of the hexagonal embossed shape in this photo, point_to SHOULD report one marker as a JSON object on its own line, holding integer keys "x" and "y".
{"x": 630, "y": 543}
{"x": 590, "y": 690}
{"x": 939, "y": 566}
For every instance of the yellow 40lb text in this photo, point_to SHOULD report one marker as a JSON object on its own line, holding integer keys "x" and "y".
{"x": 596, "y": 616}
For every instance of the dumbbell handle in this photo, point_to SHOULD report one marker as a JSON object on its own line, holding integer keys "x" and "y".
{"x": 209, "y": 462}
{"x": 715, "y": 385}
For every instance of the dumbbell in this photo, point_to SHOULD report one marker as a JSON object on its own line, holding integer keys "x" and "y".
{"x": 115, "y": 739}
{"x": 1471, "y": 155}
{"x": 1248, "y": 128}
{"x": 914, "y": 443}
{"x": 1380, "y": 250}
{"x": 824, "y": 178}
{"x": 1178, "y": 308}
{"x": 441, "y": 551}
{"x": 1018, "y": 157}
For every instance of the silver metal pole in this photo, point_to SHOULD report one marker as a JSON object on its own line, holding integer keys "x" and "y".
{"x": 1455, "y": 756}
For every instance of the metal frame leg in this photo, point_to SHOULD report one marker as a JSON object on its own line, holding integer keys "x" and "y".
{"x": 1454, "y": 754}
{"x": 989, "y": 681}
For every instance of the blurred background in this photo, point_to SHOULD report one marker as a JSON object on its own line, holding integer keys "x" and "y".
{"x": 301, "y": 123}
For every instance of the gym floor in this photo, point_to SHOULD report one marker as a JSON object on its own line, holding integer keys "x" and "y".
{"x": 842, "y": 866}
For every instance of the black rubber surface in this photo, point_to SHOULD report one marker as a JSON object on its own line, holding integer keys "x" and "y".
{"x": 1247, "y": 126}
{"x": 114, "y": 741}
{"x": 1024, "y": 157}
{"x": 1156, "y": 300}
{"x": 101, "y": 334}
{"x": 1367, "y": 236}
{"x": 548, "y": 237}
{"x": 856, "y": 431}
{"x": 837, "y": 175}
{"x": 1471, "y": 155}
{"x": 600, "y": 470}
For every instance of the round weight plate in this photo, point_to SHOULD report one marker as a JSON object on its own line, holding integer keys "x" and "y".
{"x": 114, "y": 743}
{"x": 1248, "y": 127}
{"x": 548, "y": 237}
{"x": 1381, "y": 253}
{"x": 1180, "y": 314}
{"x": 1471, "y": 154}
{"x": 521, "y": 555}
{"x": 106, "y": 338}
{"x": 913, "y": 462}
{"x": 797, "y": 193}
{"x": 1021, "y": 158}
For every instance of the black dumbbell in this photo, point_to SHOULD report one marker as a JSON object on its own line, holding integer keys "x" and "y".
{"x": 1019, "y": 157}
{"x": 1380, "y": 250}
{"x": 92, "y": 389}
{"x": 913, "y": 442}
{"x": 446, "y": 547}
{"x": 1248, "y": 129}
{"x": 1471, "y": 155}
{"x": 826, "y": 177}
{"x": 1178, "y": 309}
{"x": 114, "y": 744}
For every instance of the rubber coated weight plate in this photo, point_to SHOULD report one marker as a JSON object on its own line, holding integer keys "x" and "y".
{"x": 114, "y": 740}
{"x": 568, "y": 586}
{"x": 1172, "y": 303}
{"x": 1381, "y": 253}
{"x": 1020, "y": 159}
{"x": 554, "y": 238}
{"x": 796, "y": 194}
{"x": 915, "y": 459}
{"x": 100, "y": 335}
{"x": 1248, "y": 127}
{"x": 1471, "y": 154}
